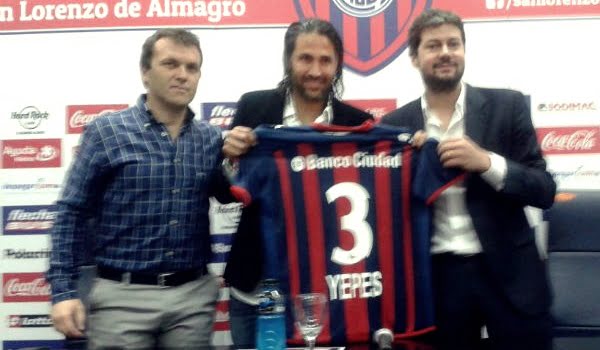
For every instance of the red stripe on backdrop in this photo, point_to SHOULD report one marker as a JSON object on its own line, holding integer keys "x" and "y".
{"x": 290, "y": 226}
{"x": 385, "y": 242}
{"x": 407, "y": 238}
{"x": 377, "y": 25}
{"x": 355, "y": 308}
{"x": 350, "y": 28}
{"x": 403, "y": 10}
{"x": 316, "y": 234}
{"x": 323, "y": 9}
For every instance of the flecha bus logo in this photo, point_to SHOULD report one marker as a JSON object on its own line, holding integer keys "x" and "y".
{"x": 219, "y": 113}
{"x": 25, "y": 287}
{"x": 33, "y": 219}
{"x": 34, "y": 153}
{"x": 80, "y": 115}
{"x": 374, "y": 32}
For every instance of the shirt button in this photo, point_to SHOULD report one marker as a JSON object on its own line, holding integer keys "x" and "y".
{"x": 176, "y": 160}
{"x": 169, "y": 253}
{"x": 175, "y": 191}
{"x": 173, "y": 222}
{"x": 163, "y": 134}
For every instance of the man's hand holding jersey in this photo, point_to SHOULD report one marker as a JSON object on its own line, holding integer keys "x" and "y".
{"x": 460, "y": 152}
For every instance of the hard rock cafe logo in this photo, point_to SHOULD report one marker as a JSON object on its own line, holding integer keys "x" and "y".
{"x": 374, "y": 32}
{"x": 30, "y": 119}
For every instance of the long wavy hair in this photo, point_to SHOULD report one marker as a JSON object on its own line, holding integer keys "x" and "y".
{"x": 308, "y": 26}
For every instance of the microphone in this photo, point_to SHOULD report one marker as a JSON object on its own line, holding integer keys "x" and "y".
{"x": 383, "y": 338}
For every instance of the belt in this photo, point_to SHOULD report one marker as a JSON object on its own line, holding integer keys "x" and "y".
{"x": 456, "y": 257}
{"x": 165, "y": 279}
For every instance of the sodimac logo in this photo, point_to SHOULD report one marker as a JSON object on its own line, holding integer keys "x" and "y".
{"x": 34, "y": 153}
{"x": 25, "y": 287}
{"x": 572, "y": 106}
{"x": 80, "y": 115}
{"x": 28, "y": 220}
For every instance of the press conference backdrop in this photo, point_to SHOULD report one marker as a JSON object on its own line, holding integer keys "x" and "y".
{"x": 63, "y": 63}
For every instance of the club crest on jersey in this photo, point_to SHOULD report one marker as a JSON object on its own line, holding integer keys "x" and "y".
{"x": 374, "y": 32}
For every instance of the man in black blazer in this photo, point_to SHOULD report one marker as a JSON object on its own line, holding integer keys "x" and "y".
{"x": 313, "y": 59}
{"x": 487, "y": 270}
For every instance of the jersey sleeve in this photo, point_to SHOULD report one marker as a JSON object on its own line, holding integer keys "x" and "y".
{"x": 430, "y": 177}
{"x": 250, "y": 178}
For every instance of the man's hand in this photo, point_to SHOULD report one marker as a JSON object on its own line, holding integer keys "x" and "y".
{"x": 69, "y": 318}
{"x": 419, "y": 138}
{"x": 465, "y": 154}
{"x": 238, "y": 141}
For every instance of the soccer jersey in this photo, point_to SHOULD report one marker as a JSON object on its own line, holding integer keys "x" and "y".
{"x": 344, "y": 213}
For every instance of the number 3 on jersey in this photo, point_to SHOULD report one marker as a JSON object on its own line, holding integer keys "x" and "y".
{"x": 353, "y": 222}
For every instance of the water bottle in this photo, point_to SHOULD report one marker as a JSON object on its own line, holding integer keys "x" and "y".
{"x": 270, "y": 324}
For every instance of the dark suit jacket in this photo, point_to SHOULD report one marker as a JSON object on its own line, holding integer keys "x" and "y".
{"x": 244, "y": 265}
{"x": 499, "y": 121}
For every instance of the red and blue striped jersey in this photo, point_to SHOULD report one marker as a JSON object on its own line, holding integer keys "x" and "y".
{"x": 344, "y": 212}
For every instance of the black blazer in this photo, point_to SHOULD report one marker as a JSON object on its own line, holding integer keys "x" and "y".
{"x": 244, "y": 264}
{"x": 500, "y": 121}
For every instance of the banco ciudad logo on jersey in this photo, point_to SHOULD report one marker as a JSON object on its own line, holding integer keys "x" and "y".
{"x": 374, "y": 32}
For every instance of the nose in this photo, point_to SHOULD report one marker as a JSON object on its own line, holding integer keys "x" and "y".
{"x": 181, "y": 73}
{"x": 445, "y": 49}
{"x": 315, "y": 70}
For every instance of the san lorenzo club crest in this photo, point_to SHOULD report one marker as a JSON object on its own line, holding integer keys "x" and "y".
{"x": 374, "y": 32}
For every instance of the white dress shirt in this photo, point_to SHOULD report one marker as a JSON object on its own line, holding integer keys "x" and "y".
{"x": 452, "y": 223}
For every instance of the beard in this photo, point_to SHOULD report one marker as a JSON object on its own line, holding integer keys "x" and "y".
{"x": 298, "y": 88}
{"x": 445, "y": 84}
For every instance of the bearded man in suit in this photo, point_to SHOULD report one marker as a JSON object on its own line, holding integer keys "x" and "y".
{"x": 486, "y": 267}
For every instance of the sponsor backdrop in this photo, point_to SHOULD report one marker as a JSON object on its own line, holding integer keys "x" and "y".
{"x": 66, "y": 62}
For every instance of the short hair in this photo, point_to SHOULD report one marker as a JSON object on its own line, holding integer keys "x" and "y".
{"x": 308, "y": 26}
{"x": 178, "y": 35}
{"x": 431, "y": 18}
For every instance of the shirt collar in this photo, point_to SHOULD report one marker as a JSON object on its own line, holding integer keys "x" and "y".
{"x": 459, "y": 107}
{"x": 147, "y": 113}
{"x": 290, "y": 118}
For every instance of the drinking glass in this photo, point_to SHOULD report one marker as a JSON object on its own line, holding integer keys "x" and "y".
{"x": 310, "y": 313}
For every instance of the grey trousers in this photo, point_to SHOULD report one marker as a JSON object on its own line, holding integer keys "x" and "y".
{"x": 136, "y": 316}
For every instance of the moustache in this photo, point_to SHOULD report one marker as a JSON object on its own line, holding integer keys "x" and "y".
{"x": 444, "y": 61}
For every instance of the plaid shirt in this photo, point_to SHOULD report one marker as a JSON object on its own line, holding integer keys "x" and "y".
{"x": 146, "y": 195}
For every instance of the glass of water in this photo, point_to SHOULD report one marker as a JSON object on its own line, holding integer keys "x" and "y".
{"x": 310, "y": 313}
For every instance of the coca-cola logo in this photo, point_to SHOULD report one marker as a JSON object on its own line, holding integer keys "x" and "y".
{"x": 80, "y": 118}
{"x": 25, "y": 287}
{"x": 80, "y": 115}
{"x": 569, "y": 140}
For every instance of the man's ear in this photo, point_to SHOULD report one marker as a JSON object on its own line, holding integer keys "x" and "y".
{"x": 415, "y": 61}
{"x": 144, "y": 79}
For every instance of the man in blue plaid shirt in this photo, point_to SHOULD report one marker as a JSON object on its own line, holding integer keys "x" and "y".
{"x": 144, "y": 175}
